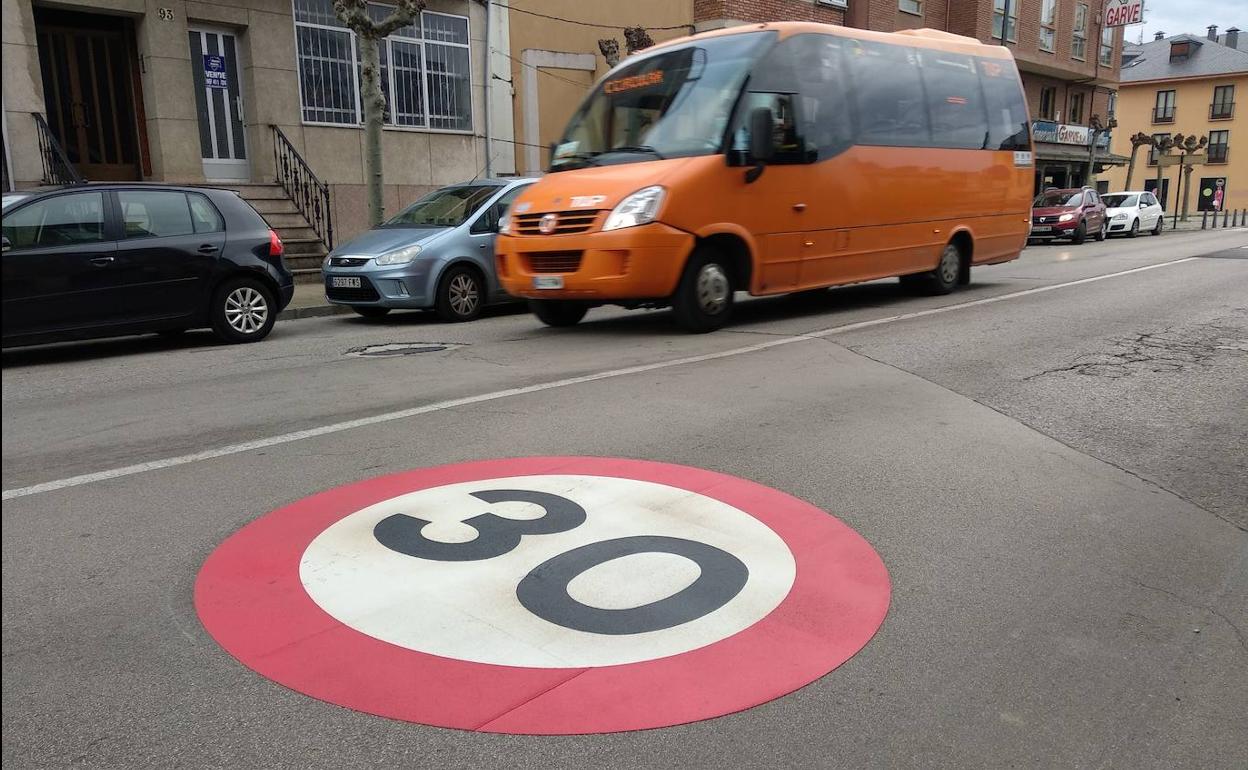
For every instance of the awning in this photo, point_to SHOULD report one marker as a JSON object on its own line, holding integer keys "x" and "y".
{"x": 1071, "y": 153}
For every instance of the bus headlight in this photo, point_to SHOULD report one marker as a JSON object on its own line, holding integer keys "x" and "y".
{"x": 637, "y": 209}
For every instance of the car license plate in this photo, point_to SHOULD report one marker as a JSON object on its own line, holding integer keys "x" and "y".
{"x": 1041, "y": 229}
{"x": 548, "y": 282}
{"x": 341, "y": 282}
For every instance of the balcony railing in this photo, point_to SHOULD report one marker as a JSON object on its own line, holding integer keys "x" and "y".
{"x": 309, "y": 193}
{"x": 1163, "y": 115}
{"x": 56, "y": 166}
{"x": 1217, "y": 153}
{"x": 1221, "y": 110}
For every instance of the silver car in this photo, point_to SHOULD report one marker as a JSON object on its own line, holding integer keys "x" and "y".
{"x": 436, "y": 253}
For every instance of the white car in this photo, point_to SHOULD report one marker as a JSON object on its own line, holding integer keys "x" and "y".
{"x": 1132, "y": 212}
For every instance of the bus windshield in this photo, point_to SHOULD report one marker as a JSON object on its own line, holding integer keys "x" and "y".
{"x": 674, "y": 103}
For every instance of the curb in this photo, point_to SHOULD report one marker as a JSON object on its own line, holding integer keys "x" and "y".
{"x": 313, "y": 311}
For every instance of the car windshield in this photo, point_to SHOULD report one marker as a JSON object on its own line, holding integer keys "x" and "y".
{"x": 1120, "y": 200}
{"x": 447, "y": 207}
{"x": 673, "y": 103}
{"x": 1054, "y": 198}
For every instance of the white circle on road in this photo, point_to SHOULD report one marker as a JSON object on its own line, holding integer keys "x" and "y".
{"x": 469, "y": 610}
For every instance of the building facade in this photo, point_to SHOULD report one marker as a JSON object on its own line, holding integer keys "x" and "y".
{"x": 1187, "y": 84}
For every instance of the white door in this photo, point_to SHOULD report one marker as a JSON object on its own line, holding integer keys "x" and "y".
{"x": 219, "y": 102}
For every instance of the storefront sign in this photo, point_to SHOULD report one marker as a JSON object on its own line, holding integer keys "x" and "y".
{"x": 214, "y": 71}
{"x": 1120, "y": 13}
{"x": 1059, "y": 133}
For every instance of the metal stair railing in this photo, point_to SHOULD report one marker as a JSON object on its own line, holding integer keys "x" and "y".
{"x": 56, "y": 166}
{"x": 309, "y": 193}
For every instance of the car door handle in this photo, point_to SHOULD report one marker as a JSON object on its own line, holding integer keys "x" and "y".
{"x": 101, "y": 261}
{"x": 208, "y": 248}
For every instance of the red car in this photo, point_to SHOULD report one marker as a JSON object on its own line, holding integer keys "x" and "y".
{"x": 1072, "y": 214}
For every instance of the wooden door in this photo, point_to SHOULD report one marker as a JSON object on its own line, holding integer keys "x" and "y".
{"x": 87, "y": 92}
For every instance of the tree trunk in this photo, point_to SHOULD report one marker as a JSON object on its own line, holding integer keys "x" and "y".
{"x": 1135, "y": 148}
{"x": 374, "y": 109}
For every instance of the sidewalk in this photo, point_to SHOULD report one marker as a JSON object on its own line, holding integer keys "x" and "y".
{"x": 309, "y": 302}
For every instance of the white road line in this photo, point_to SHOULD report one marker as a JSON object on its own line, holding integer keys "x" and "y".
{"x": 337, "y": 427}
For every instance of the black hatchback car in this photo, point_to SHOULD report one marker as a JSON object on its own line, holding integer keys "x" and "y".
{"x": 102, "y": 260}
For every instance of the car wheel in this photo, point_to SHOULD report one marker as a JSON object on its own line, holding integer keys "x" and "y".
{"x": 1103, "y": 232}
{"x": 460, "y": 294}
{"x": 703, "y": 299}
{"x": 370, "y": 311}
{"x": 558, "y": 312}
{"x": 1081, "y": 233}
{"x": 1135, "y": 228}
{"x": 243, "y": 310}
{"x": 1157, "y": 228}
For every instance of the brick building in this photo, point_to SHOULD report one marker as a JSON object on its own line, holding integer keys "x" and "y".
{"x": 1069, "y": 63}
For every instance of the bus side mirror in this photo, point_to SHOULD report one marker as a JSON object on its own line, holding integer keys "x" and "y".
{"x": 762, "y": 143}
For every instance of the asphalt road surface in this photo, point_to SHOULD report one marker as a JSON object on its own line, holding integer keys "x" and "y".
{"x": 1052, "y": 463}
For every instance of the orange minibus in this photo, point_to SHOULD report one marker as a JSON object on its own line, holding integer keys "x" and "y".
{"x": 774, "y": 158}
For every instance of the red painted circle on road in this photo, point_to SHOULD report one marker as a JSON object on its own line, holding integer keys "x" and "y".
{"x": 255, "y": 596}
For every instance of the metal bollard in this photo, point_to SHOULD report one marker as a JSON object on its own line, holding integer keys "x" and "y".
{"x": 1204, "y": 218}
{"x": 1235, "y": 219}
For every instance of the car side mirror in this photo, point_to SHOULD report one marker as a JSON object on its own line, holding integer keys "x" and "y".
{"x": 4, "y": 244}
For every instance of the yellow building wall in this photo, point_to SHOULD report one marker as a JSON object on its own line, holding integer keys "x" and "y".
{"x": 560, "y": 90}
{"x": 1191, "y": 116}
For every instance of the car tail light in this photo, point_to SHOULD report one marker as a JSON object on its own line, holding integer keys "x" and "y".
{"x": 276, "y": 249}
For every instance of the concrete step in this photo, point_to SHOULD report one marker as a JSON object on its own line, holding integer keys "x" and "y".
{"x": 297, "y": 233}
{"x": 303, "y": 261}
{"x": 252, "y": 192}
{"x": 285, "y": 221}
{"x": 307, "y": 275}
{"x": 303, "y": 245}
{"x": 268, "y": 206}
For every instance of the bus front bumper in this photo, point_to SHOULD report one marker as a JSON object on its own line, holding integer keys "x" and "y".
{"x": 634, "y": 263}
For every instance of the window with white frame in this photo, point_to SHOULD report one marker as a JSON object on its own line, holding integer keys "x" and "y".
{"x": 1079, "y": 37}
{"x": 425, "y": 74}
{"x": 1048, "y": 24}
{"x": 1106, "y": 57}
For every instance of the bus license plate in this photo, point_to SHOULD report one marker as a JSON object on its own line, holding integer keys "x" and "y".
{"x": 548, "y": 282}
{"x": 339, "y": 282}
{"x": 1038, "y": 229}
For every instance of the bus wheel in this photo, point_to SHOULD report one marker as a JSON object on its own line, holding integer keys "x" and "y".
{"x": 558, "y": 312}
{"x": 703, "y": 299}
{"x": 944, "y": 278}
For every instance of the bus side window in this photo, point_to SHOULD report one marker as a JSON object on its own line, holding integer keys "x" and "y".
{"x": 888, "y": 94}
{"x": 955, "y": 102}
{"x": 1008, "y": 128}
{"x": 824, "y": 107}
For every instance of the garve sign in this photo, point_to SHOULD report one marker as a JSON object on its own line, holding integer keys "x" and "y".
{"x": 1120, "y": 13}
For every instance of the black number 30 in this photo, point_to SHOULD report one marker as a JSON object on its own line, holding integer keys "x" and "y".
{"x": 544, "y": 591}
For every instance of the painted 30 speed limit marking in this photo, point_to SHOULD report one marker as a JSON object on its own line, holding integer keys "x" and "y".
{"x": 545, "y": 595}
